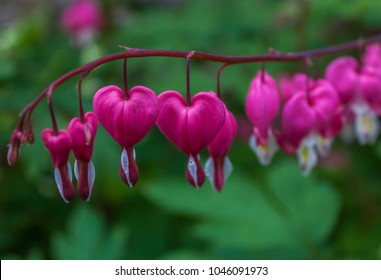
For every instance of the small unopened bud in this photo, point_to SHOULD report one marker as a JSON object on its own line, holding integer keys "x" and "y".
{"x": 14, "y": 146}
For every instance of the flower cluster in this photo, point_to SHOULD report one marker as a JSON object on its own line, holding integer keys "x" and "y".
{"x": 313, "y": 112}
{"x": 299, "y": 114}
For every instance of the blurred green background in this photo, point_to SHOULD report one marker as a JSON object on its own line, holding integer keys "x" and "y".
{"x": 263, "y": 212}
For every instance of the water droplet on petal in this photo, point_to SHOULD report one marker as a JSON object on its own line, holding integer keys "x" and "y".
{"x": 58, "y": 179}
{"x": 125, "y": 166}
{"x": 76, "y": 172}
{"x": 192, "y": 168}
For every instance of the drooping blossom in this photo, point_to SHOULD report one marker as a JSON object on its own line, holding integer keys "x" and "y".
{"x": 262, "y": 106}
{"x": 128, "y": 119}
{"x": 359, "y": 87}
{"x": 218, "y": 167}
{"x": 59, "y": 145}
{"x": 191, "y": 128}
{"x": 290, "y": 85}
{"x": 82, "y": 19}
{"x": 82, "y": 135}
{"x": 309, "y": 122}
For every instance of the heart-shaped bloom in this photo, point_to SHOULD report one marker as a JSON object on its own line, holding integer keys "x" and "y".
{"x": 360, "y": 91}
{"x": 262, "y": 106}
{"x": 218, "y": 167}
{"x": 191, "y": 128}
{"x": 127, "y": 119}
{"x": 291, "y": 85}
{"x": 82, "y": 20}
{"x": 309, "y": 121}
{"x": 82, "y": 135}
{"x": 372, "y": 59}
{"x": 59, "y": 146}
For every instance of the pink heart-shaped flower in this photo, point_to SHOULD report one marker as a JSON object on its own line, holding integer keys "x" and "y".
{"x": 191, "y": 128}
{"x": 127, "y": 119}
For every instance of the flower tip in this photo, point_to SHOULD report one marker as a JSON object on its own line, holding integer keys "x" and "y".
{"x": 13, "y": 153}
{"x": 195, "y": 173}
{"x": 128, "y": 169}
{"x": 63, "y": 178}
{"x": 85, "y": 173}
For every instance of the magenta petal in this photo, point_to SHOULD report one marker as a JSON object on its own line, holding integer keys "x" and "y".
{"x": 62, "y": 175}
{"x": 289, "y": 86}
{"x": 372, "y": 59}
{"x": 262, "y": 105}
{"x": 370, "y": 90}
{"x": 343, "y": 74}
{"x": 14, "y": 147}
{"x": 85, "y": 174}
{"x": 82, "y": 135}
{"x": 128, "y": 169}
{"x": 127, "y": 120}
{"x": 298, "y": 119}
{"x": 59, "y": 145}
{"x": 190, "y": 128}
{"x": 325, "y": 102}
{"x": 195, "y": 173}
{"x": 220, "y": 145}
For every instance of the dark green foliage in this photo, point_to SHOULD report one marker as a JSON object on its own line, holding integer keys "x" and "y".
{"x": 263, "y": 212}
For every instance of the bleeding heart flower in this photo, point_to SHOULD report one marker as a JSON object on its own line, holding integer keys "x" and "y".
{"x": 218, "y": 167}
{"x": 82, "y": 135}
{"x": 363, "y": 85}
{"x": 191, "y": 128}
{"x": 59, "y": 146}
{"x": 127, "y": 119}
{"x": 262, "y": 106}
{"x": 82, "y": 20}
{"x": 372, "y": 59}
{"x": 343, "y": 75}
{"x": 309, "y": 121}
{"x": 292, "y": 85}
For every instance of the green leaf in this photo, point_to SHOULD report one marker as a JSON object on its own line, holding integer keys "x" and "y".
{"x": 86, "y": 238}
{"x": 292, "y": 212}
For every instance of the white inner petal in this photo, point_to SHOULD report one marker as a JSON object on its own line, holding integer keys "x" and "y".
{"x": 10, "y": 147}
{"x": 58, "y": 179}
{"x": 76, "y": 172}
{"x": 192, "y": 168}
{"x": 264, "y": 153}
{"x": 324, "y": 145}
{"x": 124, "y": 162}
{"x": 228, "y": 168}
{"x": 90, "y": 177}
{"x": 366, "y": 125}
{"x": 307, "y": 154}
{"x": 209, "y": 171}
